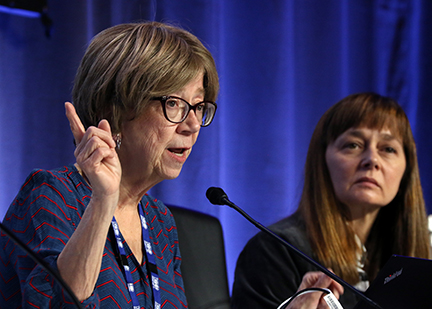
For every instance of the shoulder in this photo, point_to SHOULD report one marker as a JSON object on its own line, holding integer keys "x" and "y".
{"x": 157, "y": 212}
{"x": 63, "y": 179}
{"x": 155, "y": 206}
{"x": 291, "y": 229}
{"x": 50, "y": 191}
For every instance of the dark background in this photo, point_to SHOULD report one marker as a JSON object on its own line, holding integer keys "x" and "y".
{"x": 282, "y": 63}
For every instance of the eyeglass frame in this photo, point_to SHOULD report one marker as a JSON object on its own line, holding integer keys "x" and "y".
{"x": 163, "y": 100}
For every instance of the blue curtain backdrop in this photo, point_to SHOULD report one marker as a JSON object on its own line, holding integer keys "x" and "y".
{"x": 282, "y": 63}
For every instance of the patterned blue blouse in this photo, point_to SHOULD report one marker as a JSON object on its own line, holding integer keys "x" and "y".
{"x": 45, "y": 213}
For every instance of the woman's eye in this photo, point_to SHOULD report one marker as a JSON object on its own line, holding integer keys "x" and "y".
{"x": 171, "y": 103}
{"x": 351, "y": 145}
{"x": 390, "y": 149}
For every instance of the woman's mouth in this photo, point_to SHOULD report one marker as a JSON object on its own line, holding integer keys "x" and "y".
{"x": 367, "y": 180}
{"x": 177, "y": 151}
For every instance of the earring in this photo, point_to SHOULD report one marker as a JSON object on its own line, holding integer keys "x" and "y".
{"x": 117, "y": 140}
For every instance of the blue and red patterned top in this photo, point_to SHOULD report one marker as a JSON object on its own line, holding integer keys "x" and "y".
{"x": 45, "y": 213}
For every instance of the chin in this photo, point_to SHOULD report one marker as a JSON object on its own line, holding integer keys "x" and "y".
{"x": 370, "y": 204}
{"x": 172, "y": 175}
{"x": 364, "y": 201}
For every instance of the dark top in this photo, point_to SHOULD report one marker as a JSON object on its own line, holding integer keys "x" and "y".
{"x": 45, "y": 214}
{"x": 268, "y": 273}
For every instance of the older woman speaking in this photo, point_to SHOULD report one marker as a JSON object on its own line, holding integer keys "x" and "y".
{"x": 141, "y": 94}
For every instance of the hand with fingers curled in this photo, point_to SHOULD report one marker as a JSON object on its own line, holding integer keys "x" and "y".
{"x": 96, "y": 155}
{"x": 315, "y": 279}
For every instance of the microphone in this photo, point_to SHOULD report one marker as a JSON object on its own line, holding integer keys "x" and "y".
{"x": 217, "y": 196}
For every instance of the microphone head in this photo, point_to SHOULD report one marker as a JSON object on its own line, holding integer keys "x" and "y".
{"x": 216, "y": 196}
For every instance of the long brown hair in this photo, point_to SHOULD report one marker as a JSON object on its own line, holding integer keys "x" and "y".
{"x": 400, "y": 227}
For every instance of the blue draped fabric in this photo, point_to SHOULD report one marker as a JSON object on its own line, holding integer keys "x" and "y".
{"x": 282, "y": 63}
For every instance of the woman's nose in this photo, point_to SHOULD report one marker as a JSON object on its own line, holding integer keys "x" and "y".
{"x": 370, "y": 159}
{"x": 191, "y": 124}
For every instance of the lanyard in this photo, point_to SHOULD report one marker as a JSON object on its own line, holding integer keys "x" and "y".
{"x": 154, "y": 282}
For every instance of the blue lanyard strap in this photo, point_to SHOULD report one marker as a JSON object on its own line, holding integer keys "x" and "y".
{"x": 150, "y": 259}
{"x": 154, "y": 282}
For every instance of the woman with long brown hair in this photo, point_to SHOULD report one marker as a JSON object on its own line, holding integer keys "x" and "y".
{"x": 362, "y": 201}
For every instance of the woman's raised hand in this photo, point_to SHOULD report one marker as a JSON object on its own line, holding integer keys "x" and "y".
{"x": 96, "y": 155}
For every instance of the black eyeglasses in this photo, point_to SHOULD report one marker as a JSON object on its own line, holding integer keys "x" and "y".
{"x": 176, "y": 110}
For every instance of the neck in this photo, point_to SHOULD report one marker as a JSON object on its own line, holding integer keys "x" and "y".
{"x": 129, "y": 198}
{"x": 362, "y": 225}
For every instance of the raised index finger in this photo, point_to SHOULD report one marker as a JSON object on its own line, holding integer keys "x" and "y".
{"x": 76, "y": 125}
